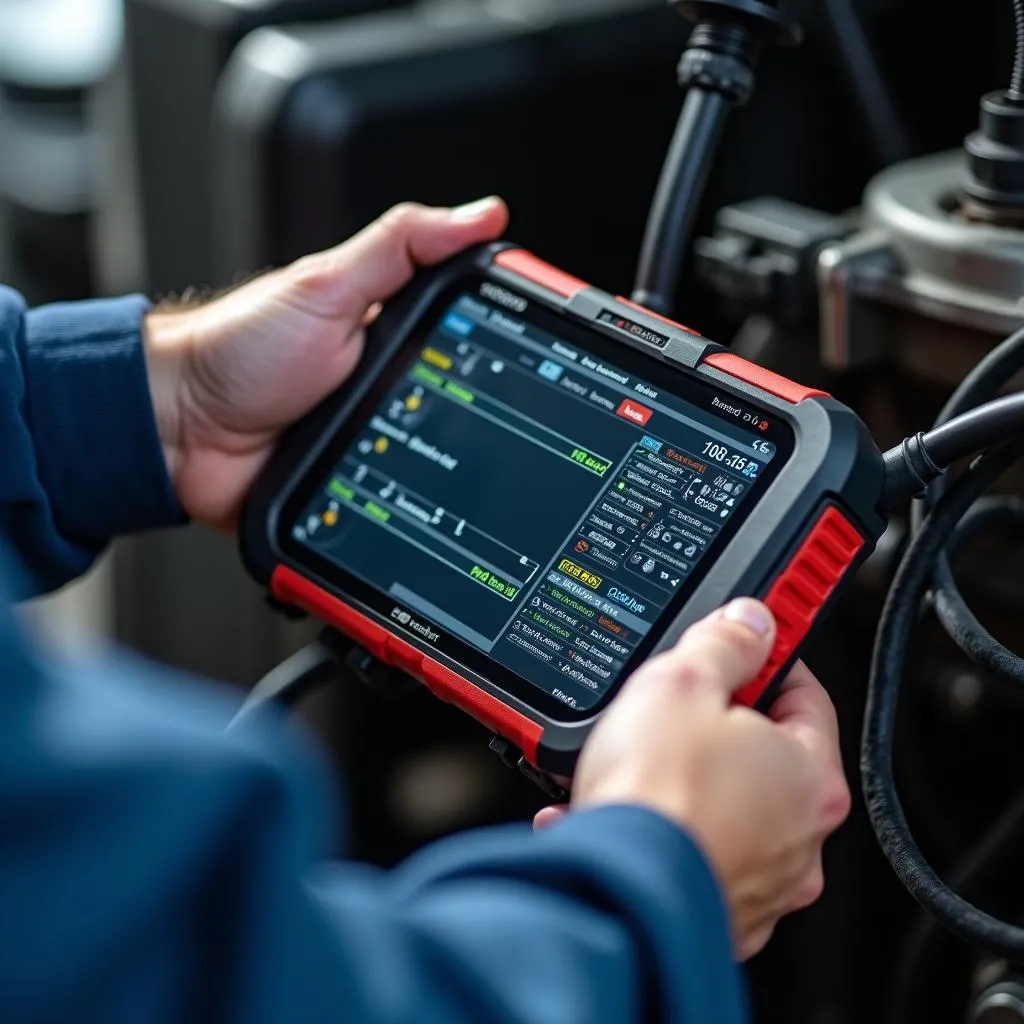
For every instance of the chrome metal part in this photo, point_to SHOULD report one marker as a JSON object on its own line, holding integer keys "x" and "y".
{"x": 917, "y": 253}
{"x": 1001, "y": 1004}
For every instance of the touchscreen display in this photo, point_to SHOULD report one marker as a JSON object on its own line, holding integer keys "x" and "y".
{"x": 523, "y": 492}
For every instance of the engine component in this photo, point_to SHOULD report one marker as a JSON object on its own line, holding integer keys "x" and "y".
{"x": 764, "y": 255}
{"x": 1000, "y": 1004}
{"x": 917, "y": 252}
{"x": 717, "y": 68}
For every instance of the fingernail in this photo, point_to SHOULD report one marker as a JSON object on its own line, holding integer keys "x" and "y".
{"x": 470, "y": 211}
{"x": 752, "y": 614}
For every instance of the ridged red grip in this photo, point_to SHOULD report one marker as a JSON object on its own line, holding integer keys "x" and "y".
{"x": 801, "y": 590}
{"x": 291, "y": 588}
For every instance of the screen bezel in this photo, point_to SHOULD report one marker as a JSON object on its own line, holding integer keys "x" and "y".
{"x": 678, "y": 381}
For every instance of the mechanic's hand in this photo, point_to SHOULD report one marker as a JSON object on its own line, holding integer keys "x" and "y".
{"x": 759, "y": 794}
{"x": 229, "y": 376}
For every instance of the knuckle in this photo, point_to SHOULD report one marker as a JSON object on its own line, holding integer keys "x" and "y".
{"x": 837, "y": 801}
{"x": 396, "y": 220}
{"x": 828, "y": 710}
{"x": 310, "y": 277}
{"x": 687, "y": 674}
{"x": 311, "y": 271}
{"x": 755, "y": 941}
{"x": 810, "y": 889}
{"x": 727, "y": 641}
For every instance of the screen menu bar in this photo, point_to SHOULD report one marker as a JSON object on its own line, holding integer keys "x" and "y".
{"x": 562, "y": 359}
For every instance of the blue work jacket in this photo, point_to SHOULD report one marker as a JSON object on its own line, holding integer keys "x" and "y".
{"x": 155, "y": 869}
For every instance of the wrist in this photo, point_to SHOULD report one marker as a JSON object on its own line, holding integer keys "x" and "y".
{"x": 167, "y": 339}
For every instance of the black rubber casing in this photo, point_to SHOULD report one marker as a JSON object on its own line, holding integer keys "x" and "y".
{"x": 835, "y": 466}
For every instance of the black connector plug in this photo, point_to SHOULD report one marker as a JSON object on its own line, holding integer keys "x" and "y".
{"x": 995, "y": 162}
{"x": 994, "y": 191}
{"x": 909, "y": 469}
{"x": 911, "y": 466}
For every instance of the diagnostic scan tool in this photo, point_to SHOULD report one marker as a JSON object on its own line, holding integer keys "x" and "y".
{"x": 530, "y": 486}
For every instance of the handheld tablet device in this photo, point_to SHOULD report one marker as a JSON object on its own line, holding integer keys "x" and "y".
{"x": 529, "y": 486}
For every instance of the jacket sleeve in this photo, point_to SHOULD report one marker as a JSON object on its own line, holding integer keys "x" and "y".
{"x": 82, "y": 460}
{"x": 161, "y": 870}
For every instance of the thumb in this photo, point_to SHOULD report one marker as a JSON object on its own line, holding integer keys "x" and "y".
{"x": 548, "y": 816}
{"x": 374, "y": 264}
{"x": 720, "y": 654}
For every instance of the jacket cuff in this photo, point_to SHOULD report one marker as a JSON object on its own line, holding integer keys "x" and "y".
{"x": 91, "y": 413}
{"x": 675, "y": 902}
{"x": 646, "y": 871}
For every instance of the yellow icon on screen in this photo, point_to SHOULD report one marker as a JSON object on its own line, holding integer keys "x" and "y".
{"x": 380, "y": 446}
{"x": 330, "y": 517}
{"x": 438, "y": 359}
{"x": 413, "y": 402}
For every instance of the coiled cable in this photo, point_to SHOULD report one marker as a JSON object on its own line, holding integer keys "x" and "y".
{"x": 993, "y": 373}
{"x": 930, "y": 949}
{"x": 945, "y": 517}
{"x": 912, "y": 580}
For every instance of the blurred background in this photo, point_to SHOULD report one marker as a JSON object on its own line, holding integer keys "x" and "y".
{"x": 152, "y": 145}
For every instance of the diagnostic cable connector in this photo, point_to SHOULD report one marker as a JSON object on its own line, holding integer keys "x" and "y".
{"x": 913, "y": 465}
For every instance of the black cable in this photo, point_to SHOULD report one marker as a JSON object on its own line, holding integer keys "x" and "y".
{"x": 677, "y": 199}
{"x": 996, "y": 370}
{"x": 909, "y": 470}
{"x": 717, "y": 70}
{"x": 985, "y": 381}
{"x": 972, "y": 431}
{"x": 901, "y": 607}
{"x": 289, "y": 682}
{"x": 865, "y": 79}
{"x": 952, "y": 610}
{"x": 925, "y": 945}
{"x": 942, "y": 520}
{"x": 1015, "y": 94}
{"x": 923, "y": 459}
{"x": 940, "y": 831}
{"x": 968, "y": 877}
